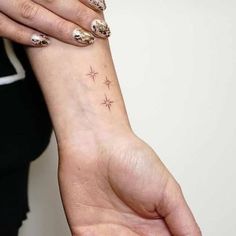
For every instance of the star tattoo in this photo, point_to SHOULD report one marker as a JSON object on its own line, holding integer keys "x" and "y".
{"x": 107, "y": 82}
{"x": 107, "y": 102}
{"x": 92, "y": 74}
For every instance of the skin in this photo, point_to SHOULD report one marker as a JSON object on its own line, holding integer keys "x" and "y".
{"x": 20, "y": 19}
{"x": 111, "y": 182}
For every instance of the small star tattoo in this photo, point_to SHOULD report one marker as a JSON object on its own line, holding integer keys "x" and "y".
{"x": 107, "y": 102}
{"x": 92, "y": 74}
{"x": 107, "y": 82}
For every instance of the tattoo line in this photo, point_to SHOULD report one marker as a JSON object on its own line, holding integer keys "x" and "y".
{"x": 107, "y": 82}
{"x": 107, "y": 102}
{"x": 92, "y": 74}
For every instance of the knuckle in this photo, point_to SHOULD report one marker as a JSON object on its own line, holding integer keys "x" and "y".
{"x": 20, "y": 35}
{"x": 28, "y": 9}
{"x": 61, "y": 26}
{"x": 79, "y": 12}
{"x": 83, "y": 12}
{"x": 85, "y": 15}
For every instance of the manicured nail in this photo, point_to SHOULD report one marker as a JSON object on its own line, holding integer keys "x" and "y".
{"x": 99, "y": 5}
{"x": 100, "y": 28}
{"x": 83, "y": 37}
{"x": 40, "y": 40}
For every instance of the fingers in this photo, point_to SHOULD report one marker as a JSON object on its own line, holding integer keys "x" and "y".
{"x": 176, "y": 212}
{"x": 98, "y": 5}
{"x": 77, "y": 12}
{"x": 21, "y": 34}
{"x": 37, "y": 17}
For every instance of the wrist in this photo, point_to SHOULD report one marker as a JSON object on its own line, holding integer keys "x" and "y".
{"x": 91, "y": 140}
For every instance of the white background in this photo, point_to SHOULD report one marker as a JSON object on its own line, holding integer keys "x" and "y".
{"x": 176, "y": 62}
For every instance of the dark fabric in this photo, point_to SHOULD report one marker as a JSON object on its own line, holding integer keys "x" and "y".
{"x": 9, "y": 232}
{"x": 25, "y": 131}
{"x": 6, "y": 67}
{"x": 25, "y": 126}
{"x": 14, "y": 198}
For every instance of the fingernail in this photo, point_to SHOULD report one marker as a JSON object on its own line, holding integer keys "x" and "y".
{"x": 83, "y": 37}
{"x": 100, "y": 28}
{"x": 40, "y": 40}
{"x": 98, "y": 4}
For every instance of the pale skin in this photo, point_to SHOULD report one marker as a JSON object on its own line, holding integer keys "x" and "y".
{"x": 21, "y": 19}
{"x": 111, "y": 182}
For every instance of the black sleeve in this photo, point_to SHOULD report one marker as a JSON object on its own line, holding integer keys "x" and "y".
{"x": 6, "y": 68}
{"x": 25, "y": 125}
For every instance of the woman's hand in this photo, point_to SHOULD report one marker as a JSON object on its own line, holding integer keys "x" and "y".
{"x": 71, "y": 21}
{"x": 120, "y": 187}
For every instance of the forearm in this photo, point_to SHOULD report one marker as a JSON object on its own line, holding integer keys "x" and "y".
{"x": 120, "y": 186}
{"x": 80, "y": 104}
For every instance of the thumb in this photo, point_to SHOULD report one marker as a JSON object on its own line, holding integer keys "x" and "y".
{"x": 176, "y": 212}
